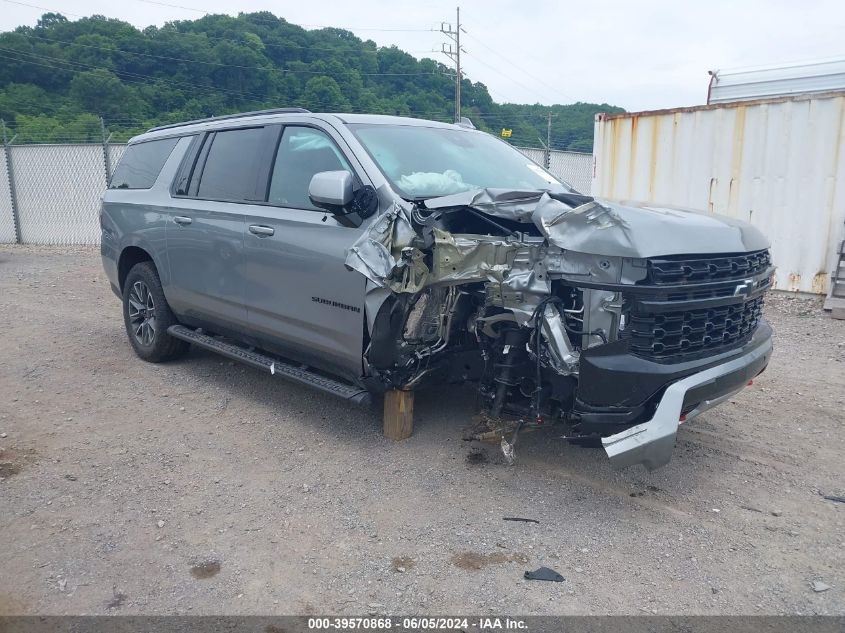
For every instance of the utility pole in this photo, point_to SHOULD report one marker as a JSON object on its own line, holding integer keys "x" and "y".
{"x": 454, "y": 53}
{"x": 106, "y": 153}
{"x": 547, "y": 146}
{"x": 10, "y": 174}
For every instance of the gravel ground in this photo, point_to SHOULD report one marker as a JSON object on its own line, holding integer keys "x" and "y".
{"x": 201, "y": 486}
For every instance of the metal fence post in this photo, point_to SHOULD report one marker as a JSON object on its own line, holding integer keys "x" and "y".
{"x": 10, "y": 173}
{"x": 106, "y": 157}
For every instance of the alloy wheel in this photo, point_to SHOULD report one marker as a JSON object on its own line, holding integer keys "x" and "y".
{"x": 142, "y": 313}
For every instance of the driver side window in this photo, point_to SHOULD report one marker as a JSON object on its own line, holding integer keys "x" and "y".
{"x": 303, "y": 152}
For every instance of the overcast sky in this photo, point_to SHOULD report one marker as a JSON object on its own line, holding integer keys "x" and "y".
{"x": 638, "y": 54}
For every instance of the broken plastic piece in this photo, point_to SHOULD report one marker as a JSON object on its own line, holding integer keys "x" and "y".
{"x": 507, "y": 451}
{"x": 651, "y": 442}
{"x": 509, "y": 448}
{"x": 544, "y": 573}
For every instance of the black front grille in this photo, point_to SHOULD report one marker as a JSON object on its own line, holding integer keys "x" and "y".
{"x": 685, "y": 269}
{"x": 694, "y": 307}
{"x": 689, "y": 334}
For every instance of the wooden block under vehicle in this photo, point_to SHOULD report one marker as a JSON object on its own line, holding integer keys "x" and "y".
{"x": 398, "y": 414}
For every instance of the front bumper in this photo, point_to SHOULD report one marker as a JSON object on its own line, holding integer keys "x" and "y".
{"x": 651, "y": 443}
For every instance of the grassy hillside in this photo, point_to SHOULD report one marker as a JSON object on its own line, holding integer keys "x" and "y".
{"x": 58, "y": 78}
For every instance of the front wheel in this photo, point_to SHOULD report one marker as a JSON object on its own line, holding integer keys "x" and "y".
{"x": 147, "y": 316}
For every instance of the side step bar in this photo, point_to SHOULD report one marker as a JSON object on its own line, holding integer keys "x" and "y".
{"x": 274, "y": 366}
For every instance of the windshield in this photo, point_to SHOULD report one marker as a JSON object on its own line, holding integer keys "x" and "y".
{"x": 424, "y": 162}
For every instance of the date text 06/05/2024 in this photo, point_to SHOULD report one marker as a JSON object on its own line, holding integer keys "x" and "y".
{"x": 417, "y": 624}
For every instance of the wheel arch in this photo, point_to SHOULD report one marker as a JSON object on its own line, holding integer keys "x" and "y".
{"x": 129, "y": 257}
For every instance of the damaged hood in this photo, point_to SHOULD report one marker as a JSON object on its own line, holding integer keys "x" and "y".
{"x": 601, "y": 227}
{"x": 385, "y": 254}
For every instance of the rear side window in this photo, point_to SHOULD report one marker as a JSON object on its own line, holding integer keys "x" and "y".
{"x": 231, "y": 170}
{"x": 141, "y": 163}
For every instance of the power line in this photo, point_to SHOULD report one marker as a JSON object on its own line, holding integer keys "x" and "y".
{"x": 318, "y": 26}
{"x": 520, "y": 69}
{"x": 68, "y": 66}
{"x": 197, "y": 61}
{"x": 489, "y": 117}
{"x": 116, "y": 72}
{"x": 35, "y": 6}
{"x": 503, "y": 74}
{"x": 534, "y": 119}
{"x": 174, "y": 6}
{"x": 257, "y": 18}
{"x": 223, "y": 39}
{"x": 217, "y": 39}
{"x": 139, "y": 79}
{"x": 454, "y": 54}
{"x": 211, "y": 38}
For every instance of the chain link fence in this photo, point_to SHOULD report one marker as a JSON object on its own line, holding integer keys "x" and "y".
{"x": 50, "y": 194}
{"x": 537, "y": 155}
{"x": 575, "y": 168}
{"x": 56, "y": 189}
{"x": 115, "y": 153}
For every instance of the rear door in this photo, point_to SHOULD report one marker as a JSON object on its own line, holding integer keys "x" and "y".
{"x": 212, "y": 195}
{"x": 301, "y": 299}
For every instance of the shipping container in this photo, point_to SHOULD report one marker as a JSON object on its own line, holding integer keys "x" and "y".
{"x": 776, "y": 81}
{"x": 778, "y": 164}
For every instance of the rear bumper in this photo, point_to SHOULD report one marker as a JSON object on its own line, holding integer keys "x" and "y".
{"x": 108, "y": 254}
{"x": 651, "y": 443}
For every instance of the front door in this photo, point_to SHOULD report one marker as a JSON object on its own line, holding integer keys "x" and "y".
{"x": 300, "y": 298}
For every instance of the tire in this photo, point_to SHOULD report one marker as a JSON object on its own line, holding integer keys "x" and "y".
{"x": 147, "y": 316}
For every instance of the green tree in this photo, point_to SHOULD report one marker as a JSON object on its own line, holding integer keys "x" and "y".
{"x": 59, "y": 76}
{"x": 49, "y": 20}
{"x": 100, "y": 91}
{"x": 323, "y": 93}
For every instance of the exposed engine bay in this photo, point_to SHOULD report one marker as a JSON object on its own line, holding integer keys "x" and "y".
{"x": 514, "y": 290}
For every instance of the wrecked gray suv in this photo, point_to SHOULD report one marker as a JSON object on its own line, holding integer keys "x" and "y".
{"x": 358, "y": 254}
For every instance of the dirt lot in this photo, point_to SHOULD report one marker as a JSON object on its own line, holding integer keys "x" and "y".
{"x": 205, "y": 487}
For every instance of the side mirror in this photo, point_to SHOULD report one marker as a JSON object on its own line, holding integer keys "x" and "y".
{"x": 331, "y": 190}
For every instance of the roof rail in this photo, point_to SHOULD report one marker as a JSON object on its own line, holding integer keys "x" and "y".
{"x": 237, "y": 115}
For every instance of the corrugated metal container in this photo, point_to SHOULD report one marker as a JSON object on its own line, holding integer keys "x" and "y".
{"x": 777, "y": 81}
{"x": 778, "y": 164}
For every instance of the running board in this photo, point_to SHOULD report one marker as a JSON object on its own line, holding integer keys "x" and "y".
{"x": 274, "y": 366}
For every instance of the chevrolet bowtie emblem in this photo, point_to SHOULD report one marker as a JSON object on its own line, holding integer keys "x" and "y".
{"x": 744, "y": 288}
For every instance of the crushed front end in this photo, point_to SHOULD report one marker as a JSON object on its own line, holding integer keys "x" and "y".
{"x": 615, "y": 322}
